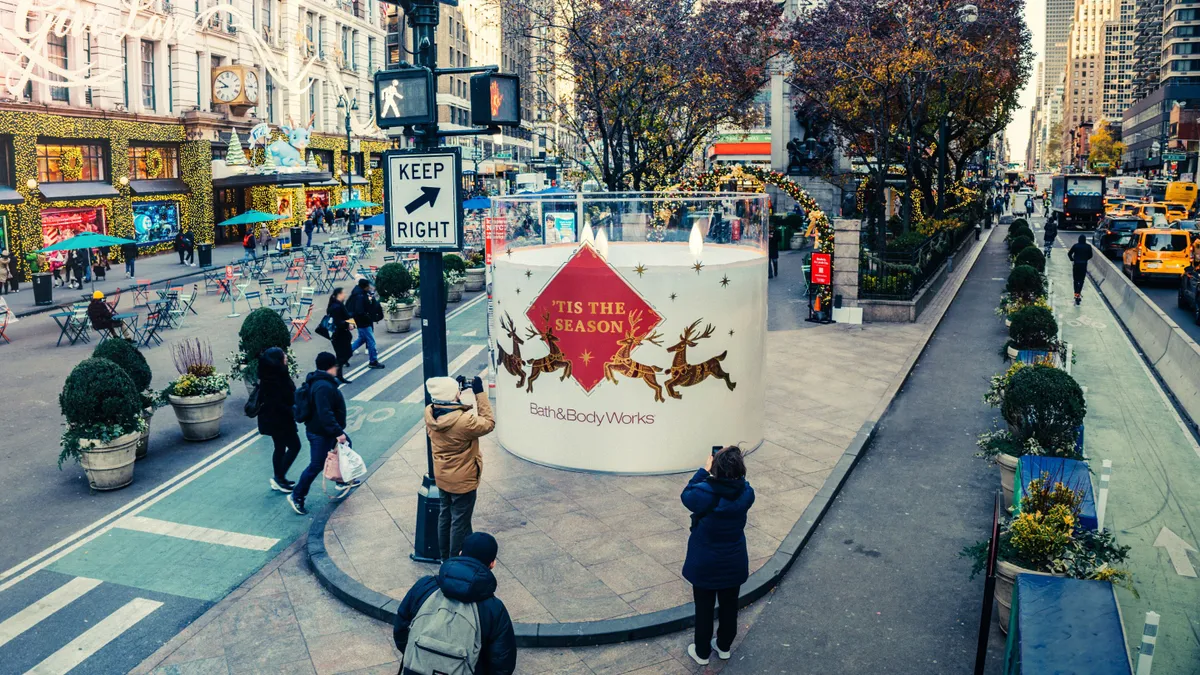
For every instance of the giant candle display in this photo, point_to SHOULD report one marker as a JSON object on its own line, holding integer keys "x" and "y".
{"x": 630, "y": 356}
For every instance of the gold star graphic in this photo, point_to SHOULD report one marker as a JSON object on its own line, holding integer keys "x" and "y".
{"x": 698, "y": 266}
{"x": 586, "y": 357}
{"x": 640, "y": 269}
{"x": 528, "y": 273}
{"x": 724, "y": 281}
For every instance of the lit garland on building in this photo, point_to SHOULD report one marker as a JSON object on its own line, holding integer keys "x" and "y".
{"x": 711, "y": 181}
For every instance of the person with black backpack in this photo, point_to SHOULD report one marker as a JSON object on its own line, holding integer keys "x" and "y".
{"x": 320, "y": 406}
{"x": 365, "y": 309}
{"x": 458, "y": 608}
{"x": 271, "y": 402}
{"x": 717, "y": 562}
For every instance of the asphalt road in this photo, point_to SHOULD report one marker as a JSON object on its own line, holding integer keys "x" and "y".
{"x": 880, "y": 587}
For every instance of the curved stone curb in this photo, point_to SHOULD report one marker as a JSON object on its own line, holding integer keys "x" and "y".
{"x": 642, "y": 626}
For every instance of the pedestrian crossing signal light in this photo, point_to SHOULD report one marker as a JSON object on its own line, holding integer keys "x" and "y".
{"x": 495, "y": 100}
{"x": 404, "y": 97}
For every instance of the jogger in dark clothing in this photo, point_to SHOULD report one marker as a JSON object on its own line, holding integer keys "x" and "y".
{"x": 1050, "y": 234}
{"x": 277, "y": 394}
{"x": 1079, "y": 255}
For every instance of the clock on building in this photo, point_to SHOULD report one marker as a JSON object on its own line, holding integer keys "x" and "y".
{"x": 235, "y": 86}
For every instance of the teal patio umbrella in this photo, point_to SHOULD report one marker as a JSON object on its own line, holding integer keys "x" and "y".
{"x": 250, "y": 217}
{"x": 87, "y": 241}
{"x": 355, "y": 204}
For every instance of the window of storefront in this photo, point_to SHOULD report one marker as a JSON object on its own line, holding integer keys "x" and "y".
{"x": 62, "y": 224}
{"x": 148, "y": 162}
{"x": 65, "y": 163}
{"x": 56, "y": 49}
{"x": 155, "y": 221}
{"x": 148, "y": 74}
{"x": 323, "y": 157}
{"x": 6, "y": 161}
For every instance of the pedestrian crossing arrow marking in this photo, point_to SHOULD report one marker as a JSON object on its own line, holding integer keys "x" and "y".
{"x": 1178, "y": 550}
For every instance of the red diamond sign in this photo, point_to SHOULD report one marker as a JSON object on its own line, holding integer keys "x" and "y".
{"x": 593, "y": 317}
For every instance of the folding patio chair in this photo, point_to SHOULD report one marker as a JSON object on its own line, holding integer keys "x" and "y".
{"x": 248, "y": 296}
{"x": 141, "y": 293}
{"x": 79, "y": 324}
{"x": 155, "y": 321}
{"x": 180, "y": 306}
{"x": 300, "y": 323}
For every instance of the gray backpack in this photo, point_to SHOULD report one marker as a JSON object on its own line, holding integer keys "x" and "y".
{"x": 444, "y": 638}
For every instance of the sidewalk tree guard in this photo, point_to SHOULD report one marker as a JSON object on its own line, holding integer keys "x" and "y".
{"x": 711, "y": 181}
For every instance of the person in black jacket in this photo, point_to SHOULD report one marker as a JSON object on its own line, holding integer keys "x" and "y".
{"x": 1050, "y": 234}
{"x": 773, "y": 253}
{"x": 341, "y": 331}
{"x": 717, "y": 562}
{"x": 1079, "y": 256}
{"x": 325, "y": 428}
{"x": 180, "y": 247}
{"x": 468, "y": 578}
{"x": 276, "y": 395}
{"x": 130, "y": 253}
{"x": 365, "y": 309}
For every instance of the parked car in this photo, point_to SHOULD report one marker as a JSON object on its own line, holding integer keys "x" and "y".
{"x": 1189, "y": 283}
{"x": 1114, "y": 233}
{"x": 1157, "y": 252}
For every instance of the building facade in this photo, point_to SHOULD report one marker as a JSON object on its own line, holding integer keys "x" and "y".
{"x": 119, "y": 124}
{"x": 1083, "y": 91}
{"x": 1119, "y": 34}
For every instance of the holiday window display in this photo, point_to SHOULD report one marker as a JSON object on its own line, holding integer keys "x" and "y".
{"x": 156, "y": 221}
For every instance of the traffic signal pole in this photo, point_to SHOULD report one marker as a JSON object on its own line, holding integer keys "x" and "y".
{"x": 423, "y": 16}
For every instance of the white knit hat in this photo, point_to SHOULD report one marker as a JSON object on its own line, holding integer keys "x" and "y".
{"x": 442, "y": 389}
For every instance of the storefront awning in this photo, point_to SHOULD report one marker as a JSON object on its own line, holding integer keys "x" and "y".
{"x": 248, "y": 180}
{"x": 53, "y": 192}
{"x": 10, "y": 196}
{"x": 162, "y": 186}
{"x": 355, "y": 179}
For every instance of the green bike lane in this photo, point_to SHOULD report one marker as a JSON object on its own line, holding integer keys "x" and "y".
{"x": 157, "y": 567}
{"x": 1154, "y": 495}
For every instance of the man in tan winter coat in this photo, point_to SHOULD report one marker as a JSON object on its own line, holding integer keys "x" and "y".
{"x": 455, "y": 421}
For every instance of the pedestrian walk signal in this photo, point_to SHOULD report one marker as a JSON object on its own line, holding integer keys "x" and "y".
{"x": 404, "y": 97}
{"x": 496, "y": 100}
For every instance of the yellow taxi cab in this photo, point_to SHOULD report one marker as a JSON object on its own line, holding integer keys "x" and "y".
{"x": 1147, "y": 212}
{"x": 1175, "y": 211}
{"x": 1114, "y": 203}
{"x": 1157, "y": 252}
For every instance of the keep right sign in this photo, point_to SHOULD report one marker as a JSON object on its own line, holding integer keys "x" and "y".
{"x": 422, "y": 202}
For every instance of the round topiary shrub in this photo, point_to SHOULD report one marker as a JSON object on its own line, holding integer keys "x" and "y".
{"x": 1033, "y": 258}
{"x": 128, "y": 358}
{"x": 262, "y": 329}
{"x": 1025, "y": 283}
{"x": 1045, "y": 404}
{"x": 393, "y": 281}
{"x": 1033, "y": 327}
{"x": 100, "y": 402}
{"x": 1020, "y": 244}
{"x": 1022, "y": 231}
{"x": 452, "y": 262}
{"x": 1018, "y": 222}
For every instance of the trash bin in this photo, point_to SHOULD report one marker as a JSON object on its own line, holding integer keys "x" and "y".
{"x": 43, "y": 289}
{"x": 205, "y": 255}
{"x": 297, "y": 237}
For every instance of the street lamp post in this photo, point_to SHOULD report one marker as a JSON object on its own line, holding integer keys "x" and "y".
{"x": 350, "y": 106}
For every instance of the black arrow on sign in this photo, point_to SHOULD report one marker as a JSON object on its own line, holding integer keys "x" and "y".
{"x": 428, "y": 196}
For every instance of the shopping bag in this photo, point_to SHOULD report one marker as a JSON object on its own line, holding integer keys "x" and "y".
{"x": 333, "y": 470}
{"x": 350, "y": 463}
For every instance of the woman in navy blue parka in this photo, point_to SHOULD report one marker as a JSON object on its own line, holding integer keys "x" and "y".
{"x": 717, "y": 563}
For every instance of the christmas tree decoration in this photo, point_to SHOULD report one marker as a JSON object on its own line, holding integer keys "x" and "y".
{"x": 234, "y": 155}
{"x": 269, "y": 165}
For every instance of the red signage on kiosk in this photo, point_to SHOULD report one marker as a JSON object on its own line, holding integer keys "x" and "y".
{"x": 821, "y": 268}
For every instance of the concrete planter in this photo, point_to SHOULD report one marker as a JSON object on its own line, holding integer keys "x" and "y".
{"x": 1006, "y": 577}
{"x": 455, "y": 292}
{"x": 143, "y": 445}
{"x": 109, "y": 466}
{"x": 400, "y": 321}
{"x": 1008, "y": 474}
{"x": 475, "y": 278}
{"x": 416, "y": 308}
{"x": 199, "y": 416}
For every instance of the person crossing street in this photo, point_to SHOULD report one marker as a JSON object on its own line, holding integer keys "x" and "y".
{"x": 365, "y": 309}
{"x": 1079, "y": 256}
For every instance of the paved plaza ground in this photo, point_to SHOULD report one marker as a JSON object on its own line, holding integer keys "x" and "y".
{"x": 573, "y": 546}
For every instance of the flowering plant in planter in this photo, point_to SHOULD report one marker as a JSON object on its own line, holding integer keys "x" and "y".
{"x": 197, "y": 375}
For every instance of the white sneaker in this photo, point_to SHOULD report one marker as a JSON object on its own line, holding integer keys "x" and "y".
{"x": 724, "y": 655}
{"x": 697, "y": 659}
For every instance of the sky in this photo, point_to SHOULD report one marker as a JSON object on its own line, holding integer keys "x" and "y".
{"x": 1018, "y": 129}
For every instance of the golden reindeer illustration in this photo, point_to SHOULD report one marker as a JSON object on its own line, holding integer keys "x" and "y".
{"x": 550, "y": 362}
{"x": 513, "y": 363}
{"x": 684, "y": 374}
{"x": 622, "y": 362}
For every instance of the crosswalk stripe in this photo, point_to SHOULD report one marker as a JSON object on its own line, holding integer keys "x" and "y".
{"x": 388, "y": 380}
{"x": 108, "y": 629}
{"x": 51, "y": 603}
{"x": 418, "y": 394}
{"x": 207, "y": 535}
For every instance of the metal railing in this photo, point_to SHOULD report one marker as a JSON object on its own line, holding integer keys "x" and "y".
{"x": 899, "y": 275}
